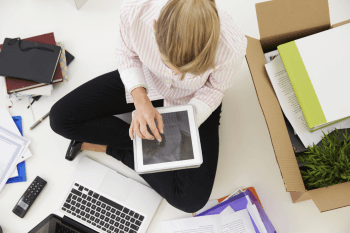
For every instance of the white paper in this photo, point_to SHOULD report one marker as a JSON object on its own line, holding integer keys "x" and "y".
{"x": 271, "y": 55}
{"x": 44, "y": 90}
{"x": 253, "y": 211}
{"x": 11, "y": 148}
{"x": 23, "y": 142}
{"x": 8, "y": 148}
{"x": 14, "y": 173}
{"x": 238, "y": 191}
{"x": 227, "y": 210}
{"x": 238, "y": 222}
{"x": 210, "y": 204}
{"x": 326, "y": 56}
{"x": 7, "y": 122}
{"x": 290, "y": 105}
{"x": 205, "y": 224}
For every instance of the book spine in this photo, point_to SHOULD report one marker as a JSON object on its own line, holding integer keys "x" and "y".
{"x": 302, "y": 85}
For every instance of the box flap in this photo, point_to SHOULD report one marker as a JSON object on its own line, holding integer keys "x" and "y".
{"x": 274, "y": 118}
{"x": 299, "y": 196}
{"x": 341, "y": 23}
{"x": 332, "y": 197}
{"x": 283, "y": 21}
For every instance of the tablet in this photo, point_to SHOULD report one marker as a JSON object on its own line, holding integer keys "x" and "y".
{"x": 180, "y": 147}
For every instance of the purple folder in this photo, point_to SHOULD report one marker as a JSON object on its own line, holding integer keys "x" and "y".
{"x": 238, "y": 203}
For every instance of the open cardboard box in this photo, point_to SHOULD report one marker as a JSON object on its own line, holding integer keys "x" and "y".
{"x": 281, "y": 22}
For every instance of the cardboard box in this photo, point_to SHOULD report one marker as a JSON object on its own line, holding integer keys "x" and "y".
{"x": 281, "y": 22}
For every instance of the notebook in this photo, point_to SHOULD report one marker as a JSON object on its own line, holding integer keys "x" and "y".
{"x": 28, "y": 60}
{"x": 317, "y": 67}
{"x": 16, "y": 85}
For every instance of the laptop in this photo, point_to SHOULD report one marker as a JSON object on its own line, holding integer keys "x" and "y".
{"x": 99, "y": 199}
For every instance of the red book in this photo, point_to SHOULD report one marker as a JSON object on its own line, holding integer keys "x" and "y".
{"x": 18, "y": 85}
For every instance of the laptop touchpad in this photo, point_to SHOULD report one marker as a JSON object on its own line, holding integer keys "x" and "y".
{"x": 117, "y": 186}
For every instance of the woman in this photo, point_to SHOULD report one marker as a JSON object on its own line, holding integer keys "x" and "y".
{"x": 189, "y": 55}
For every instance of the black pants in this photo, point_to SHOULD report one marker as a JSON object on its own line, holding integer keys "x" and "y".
{"x": 86, "y": 114}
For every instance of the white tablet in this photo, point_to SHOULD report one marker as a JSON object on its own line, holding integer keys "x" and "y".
{"x": 180, "y": 147}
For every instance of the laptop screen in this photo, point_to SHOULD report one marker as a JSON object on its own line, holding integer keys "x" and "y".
{"x": 54, "y": 224}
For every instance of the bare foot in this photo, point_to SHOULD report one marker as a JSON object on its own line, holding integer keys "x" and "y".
{"x": 93, "y": 147}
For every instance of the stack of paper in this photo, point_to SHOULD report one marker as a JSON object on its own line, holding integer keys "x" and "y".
{"x": 318, "y": 67}
{"x": 240, "y": 214}
{"x": 14, "y": 147}
{"x": 290, "y": 105}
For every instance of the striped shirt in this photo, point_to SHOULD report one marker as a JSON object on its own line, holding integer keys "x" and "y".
{"x": 140, "y": 63}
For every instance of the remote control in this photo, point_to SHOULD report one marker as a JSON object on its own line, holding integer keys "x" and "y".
{"x": 29, "y": 196}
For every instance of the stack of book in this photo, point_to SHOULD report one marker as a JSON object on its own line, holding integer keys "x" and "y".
{"x": 239, "y": 213}
{"x": 32, "y": 72}
{"x": 309, "y": 76}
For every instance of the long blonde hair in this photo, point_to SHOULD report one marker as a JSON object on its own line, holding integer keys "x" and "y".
{"x": 187, "y": 34}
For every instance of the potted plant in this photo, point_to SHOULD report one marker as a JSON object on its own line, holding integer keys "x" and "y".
{"x": 327, "y": 163}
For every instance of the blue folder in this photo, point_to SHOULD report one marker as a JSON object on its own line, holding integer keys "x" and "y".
{"x": 21, "y": 167}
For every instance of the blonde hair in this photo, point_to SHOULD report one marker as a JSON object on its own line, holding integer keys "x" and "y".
{"x": 187, "y": 34}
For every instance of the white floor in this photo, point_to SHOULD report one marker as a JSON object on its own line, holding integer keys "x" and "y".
{"x": 246, "y": 155}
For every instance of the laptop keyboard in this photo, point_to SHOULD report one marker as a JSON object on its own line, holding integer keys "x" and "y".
{"x": 100, "y": 212}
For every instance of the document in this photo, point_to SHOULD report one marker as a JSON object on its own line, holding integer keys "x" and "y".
{"x": 14, "y": 173}
{"x": 290, "y": 105}
{"x": 6, "y": 121}
{"x": 227, "y": 210}
{"x": 254, "y": 213}
{"x": 237, "y": 222}
{"x": 11, "y": 149}
{"x": 271, "y": 55}
{"x": 13, "y": 146}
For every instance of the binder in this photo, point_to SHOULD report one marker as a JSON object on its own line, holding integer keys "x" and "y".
{"x": 317, "y": 67}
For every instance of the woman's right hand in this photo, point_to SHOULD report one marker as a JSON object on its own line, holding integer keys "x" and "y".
{"x": 145, "y": 114}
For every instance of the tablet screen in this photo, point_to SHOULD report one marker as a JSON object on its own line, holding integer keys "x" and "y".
{"x": 176, "y": 142}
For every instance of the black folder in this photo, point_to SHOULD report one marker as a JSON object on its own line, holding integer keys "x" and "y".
{"x": 29, "y": 60}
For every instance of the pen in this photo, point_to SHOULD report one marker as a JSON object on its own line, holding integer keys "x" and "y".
{"x": 39, "y": 121}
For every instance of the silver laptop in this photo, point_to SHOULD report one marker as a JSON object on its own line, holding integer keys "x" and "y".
{"x": 99, "y": 199}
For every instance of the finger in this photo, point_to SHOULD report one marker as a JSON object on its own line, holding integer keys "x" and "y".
{"x": 131, "y": 131}
{"x": 137, "y": 130}
{"x": 154, "y": 130}
{"x": 160, "y": 124}
{"x": 145, "y": 132}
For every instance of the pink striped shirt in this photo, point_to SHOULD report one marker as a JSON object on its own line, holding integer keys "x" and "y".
{"x": 140, "y": 63}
